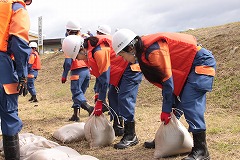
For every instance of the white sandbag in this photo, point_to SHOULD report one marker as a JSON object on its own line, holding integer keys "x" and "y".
{"x": 70, "y": 132}
{"x": 83, "y": 157}
{"x": 69, "y": 151}
{"x": 30, "y": 143}
{"x": 47, "y": 154}
{"x": 30, "y": 148}
{"x": 98, "y": 131}
{"x": 25, "y": 138}
{"x": 172, "y": 139}
{"x": 57, "y": 153}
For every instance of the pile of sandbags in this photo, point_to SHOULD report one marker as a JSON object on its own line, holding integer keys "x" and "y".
{"x": 97, "y": 130}
{"x": 34, "y": 147}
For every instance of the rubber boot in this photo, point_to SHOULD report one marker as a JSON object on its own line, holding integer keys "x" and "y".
{"x": 31, "y": 99}
{"x": 149, "y": 145}
{"x": 87, "y": 107}
{"x": 34, "y": 98}
{"x": 199, "y": 150}
{"x": 11, "y": 147}
{"x": 129, "y": 137}
{"x": 118, "y": 126}
{"x": 75, "y": 115}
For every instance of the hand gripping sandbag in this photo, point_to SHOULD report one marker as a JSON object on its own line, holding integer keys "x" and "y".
{"x": 70, "y": 132}
{"x": 172, "y": 139}
{"x": 98, "y": 131}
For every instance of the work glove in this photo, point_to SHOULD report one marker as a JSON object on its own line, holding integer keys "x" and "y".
{"x": 165, "y": 117}
{"x": 98, "y": 108}
{"x": 22, "y": 86}
{"x": 64, "y": 80}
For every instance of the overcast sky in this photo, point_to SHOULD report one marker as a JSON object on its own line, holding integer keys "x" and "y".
{"x": 141, "y": 16}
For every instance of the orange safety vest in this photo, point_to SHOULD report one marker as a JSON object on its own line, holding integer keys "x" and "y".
{"x": 5, "y": 19}
{"x": 117, "y": 68}
{"x": 91, "y": 61}
{"x": 117, "y": 63}
{"x": 182, "y": 49}
{"x": 34, "y": 59}
{"x": 78, "y": 64}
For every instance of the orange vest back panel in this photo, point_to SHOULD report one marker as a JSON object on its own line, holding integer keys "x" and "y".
{"x": 182, "y": 48}
{"x": 5, "y": 18}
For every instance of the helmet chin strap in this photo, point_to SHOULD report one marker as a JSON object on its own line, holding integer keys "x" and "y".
{"x": 133, "y": 53}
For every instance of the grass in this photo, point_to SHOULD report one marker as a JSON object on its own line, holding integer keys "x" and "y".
{"x": 222, "y": 113}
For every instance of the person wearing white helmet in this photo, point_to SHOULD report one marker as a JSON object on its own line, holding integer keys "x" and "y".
{"x": 104, "y": 30}
{"x": 124, "y": 81}
{"x": 14, "y": 53}
{"x": 80, "y": 76}
{"x": 185, "y": 72}
{"x": 89, "y": 33}
{"x": 73, "y": 27}
{"x": 97, "y": 52}
{"x": 34, "y": 64}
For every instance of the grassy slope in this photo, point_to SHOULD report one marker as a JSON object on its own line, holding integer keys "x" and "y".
{"x": 222, "y": 115}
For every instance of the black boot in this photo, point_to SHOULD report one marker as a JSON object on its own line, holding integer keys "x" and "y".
{"x": 34, "y": 97}
{"x": 11, "y": 147}
{"x": 75, "y": 115}
{"x": 199, "y": 150}
{"x": 129, "y": 137}
{"x": 87, "y": 107}
{"x": 150, "y": 144}
{"x": 31, "y": 99}
{"x": 118, "y": 126}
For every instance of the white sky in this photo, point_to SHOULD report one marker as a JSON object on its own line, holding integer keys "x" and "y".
{"x": 141, "y": 16}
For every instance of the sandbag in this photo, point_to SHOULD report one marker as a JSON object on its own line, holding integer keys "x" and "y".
{"x": 56, "y": 153}
{"x": 30, "y": 148}
{"x": 30, "y": 143}
{"x": 99, "y": 131}
{"x": 83, "y": 157}
{"x": 172, "y": 139}
{"x": 70, "y": 132}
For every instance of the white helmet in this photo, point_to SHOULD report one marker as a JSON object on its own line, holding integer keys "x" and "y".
{"x": 73, "y": 25}
{"x": 105, "y": 29}
{"x": 71, "y": 45}
{"x": 33, "y": 45}
{"x": 121, "y": 39}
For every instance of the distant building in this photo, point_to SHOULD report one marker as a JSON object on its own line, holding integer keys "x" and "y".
{"x": 33, "y": 35}
{"x": 49, "y": 45}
